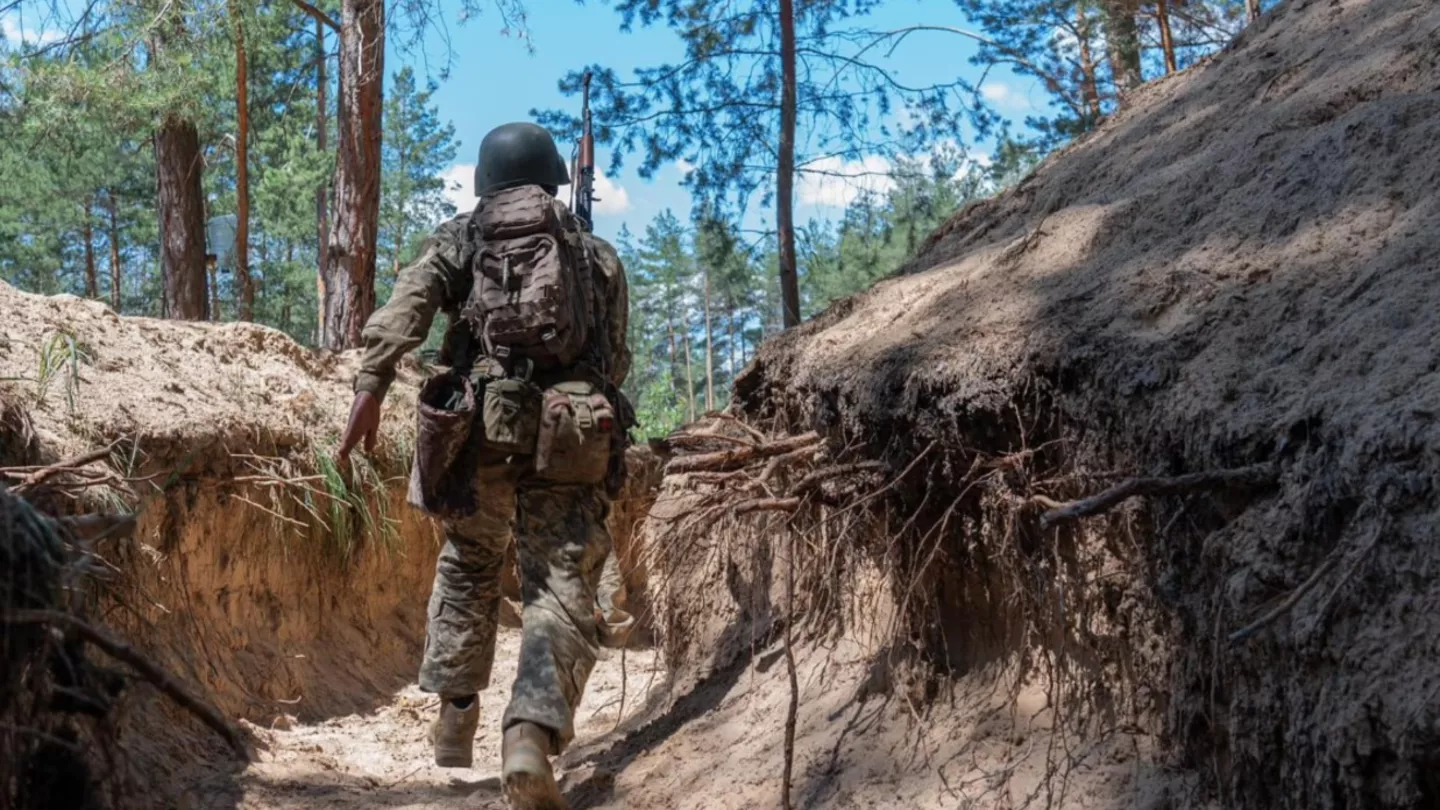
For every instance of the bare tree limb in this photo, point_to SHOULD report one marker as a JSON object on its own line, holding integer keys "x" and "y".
{"x": 1258, "y": 475}
{"x": 318, "y": 14}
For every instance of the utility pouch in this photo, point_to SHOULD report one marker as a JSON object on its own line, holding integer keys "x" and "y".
{"x": 577, "y": 424}
{"x": 511, "y": 415}
{"x": 446, "y": 412}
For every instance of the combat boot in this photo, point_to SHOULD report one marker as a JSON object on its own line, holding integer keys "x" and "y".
{"x": 525, "y": 769}
{"x": 454, "y": 733}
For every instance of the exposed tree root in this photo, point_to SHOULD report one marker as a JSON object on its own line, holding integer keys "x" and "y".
{"x": 146, "y": 668}
{"x": 727, "y": 460}
{"x": 1258, "y": 475}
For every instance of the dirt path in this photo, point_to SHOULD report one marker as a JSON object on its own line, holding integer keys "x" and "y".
{"x": 383, "y": 759}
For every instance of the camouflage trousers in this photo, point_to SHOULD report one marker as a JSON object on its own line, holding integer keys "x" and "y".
{"x": 563, "y": 546}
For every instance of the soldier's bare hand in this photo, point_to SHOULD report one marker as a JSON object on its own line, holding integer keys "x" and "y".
{"x": 364, "y": 424}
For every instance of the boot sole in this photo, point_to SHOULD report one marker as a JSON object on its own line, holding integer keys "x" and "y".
{"x": 527, "y": 791}
{"x": 453, "y": 759}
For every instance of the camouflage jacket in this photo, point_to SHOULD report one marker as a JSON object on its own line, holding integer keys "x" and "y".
{"x": 437, "y": 282}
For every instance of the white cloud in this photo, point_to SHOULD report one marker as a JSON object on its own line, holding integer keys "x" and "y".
{"x": 997, "y": 92}
{"x": 833, "y": 182}
{"x": 611, "y": 197}
{"x": 460, "y": 186}
{"x": 684, "y": 166}
{"x": 14, "y": 31}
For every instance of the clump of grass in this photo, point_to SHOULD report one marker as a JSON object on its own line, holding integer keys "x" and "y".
{"x": 58, "y": 358}
{"x": 358, "y": 504}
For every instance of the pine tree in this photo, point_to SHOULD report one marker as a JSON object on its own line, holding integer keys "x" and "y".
{"x": 415, "y": 149}
{"x": 737, "y": 94}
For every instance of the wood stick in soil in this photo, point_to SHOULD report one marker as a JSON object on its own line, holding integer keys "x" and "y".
{"x": 726, "y": 460}
{"x": 143, "y": 666}
{"x": 43, "y": 474}
{"x": 817, "y": 477}
{"x": 1258, "y": 475}
{"x": 766, "y": 505}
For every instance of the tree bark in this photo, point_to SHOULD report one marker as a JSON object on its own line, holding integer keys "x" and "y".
{"x": 730, "y": 334}
{"x": 1252, "y": 10}
{"x": 113, "y": 236}
{"x": 1089, "y": 82}
{"x": 1167, "y": 38}
{"x": 350, "y": 285}
{"x": 322, "y": 220}
{"x": 689, "y": 372}
{"x": 1123, "y": 38}
{"x": 92, "y": 283}
{"x": 709, "y": 349}
{"x": 785, "y": 171}
{"x": 181, "y": 209}
{"x": 242, "y": 173}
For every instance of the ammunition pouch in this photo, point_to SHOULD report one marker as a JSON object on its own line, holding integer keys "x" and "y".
{"x": 511, "y": 416}
{"x": 445, "y": 415}
{"x": 577, "y": 432}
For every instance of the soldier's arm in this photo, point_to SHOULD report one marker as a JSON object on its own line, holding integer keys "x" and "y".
{"x": 433, "y": 282}
{"x": 619, "y": 309}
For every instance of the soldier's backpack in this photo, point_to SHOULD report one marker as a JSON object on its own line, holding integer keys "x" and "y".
{"x": 534, "y": 293}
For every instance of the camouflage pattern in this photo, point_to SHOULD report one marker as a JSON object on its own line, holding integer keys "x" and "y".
{"x": 559, "y": 528}
{"x": 563, "y": 545}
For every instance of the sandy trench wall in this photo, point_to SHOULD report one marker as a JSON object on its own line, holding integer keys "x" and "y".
{"x": 1239, "y": 270}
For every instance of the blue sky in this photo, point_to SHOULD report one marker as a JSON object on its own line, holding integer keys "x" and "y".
{"x": 494, "y": 79}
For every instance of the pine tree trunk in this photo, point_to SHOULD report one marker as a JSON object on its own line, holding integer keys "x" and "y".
{"x": 1167, "y": 38}
{"x": 674, "y": 350}
{"x": 785, "y": 171}
{"x": 92, "y": 283}
{"x": 1252, "y": 10}
{"x": 730, "y": 335}
{"x": 114, "y": 238}
{"x": 1123, "y": 38}
{"x": 242, "y": 174}
{"x": 350, "y": 286}
{"x": 1089, "y": 81}
{"x": 689, "y": 372}
{"x": 180, "y": 206}
{"x": 709, "y": 350}
{"x": 322, "y": 221}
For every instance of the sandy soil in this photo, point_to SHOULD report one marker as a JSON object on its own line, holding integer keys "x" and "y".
{"x": 719, "y": 746}
{"x": 383, "y": 759}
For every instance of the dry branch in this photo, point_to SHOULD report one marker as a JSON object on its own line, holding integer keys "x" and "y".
{"x": 818, "y": 477}
{"x": 766, "y": 505}
{"x": 147, "y": 669}
{"x": 1254, "y": 476}
{"x": 726, "y": 460}
{"x": 29, "y": 478}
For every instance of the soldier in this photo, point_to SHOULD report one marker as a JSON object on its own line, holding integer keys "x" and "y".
{"x": 556, "y": 510}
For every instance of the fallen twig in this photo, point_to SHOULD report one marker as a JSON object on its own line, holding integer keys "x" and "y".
{"x": 726, "y": 460}
{"x": 147, "y": 669}
{"x": 1057, "y": 512}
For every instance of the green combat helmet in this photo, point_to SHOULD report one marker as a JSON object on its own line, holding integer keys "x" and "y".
{"x": 518, "y": 154}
